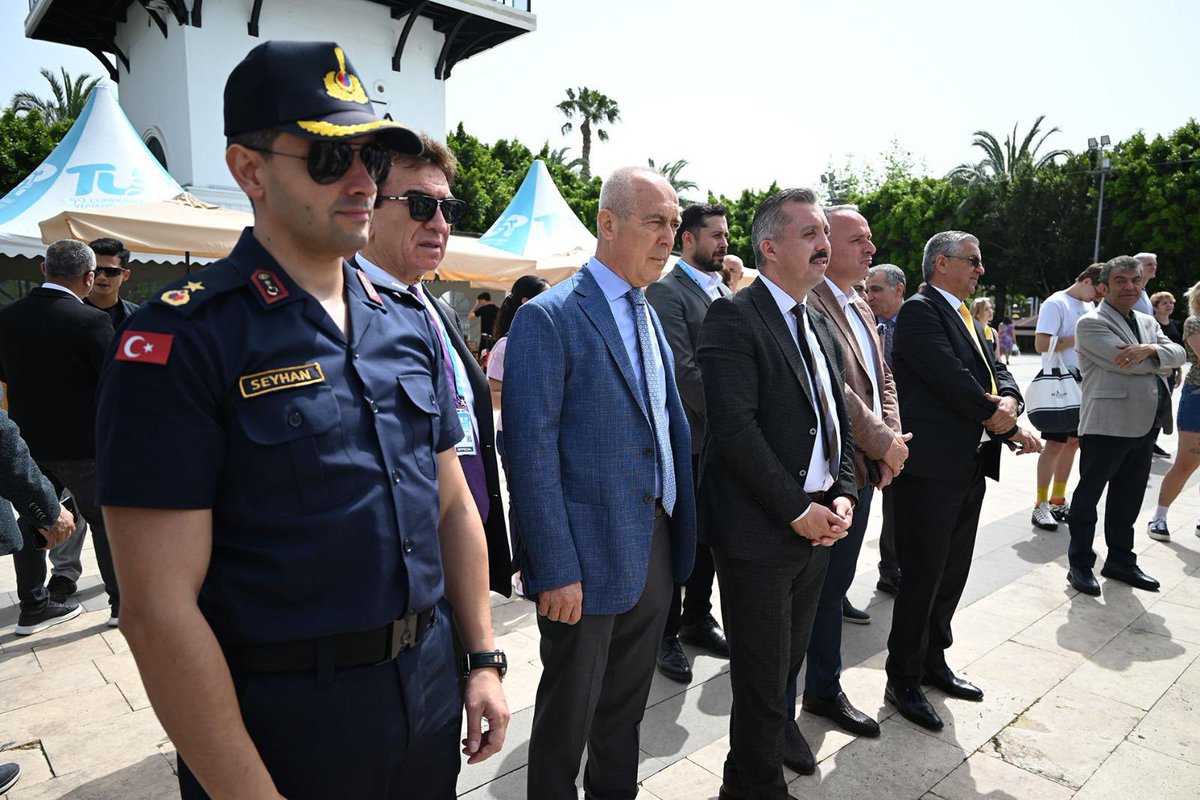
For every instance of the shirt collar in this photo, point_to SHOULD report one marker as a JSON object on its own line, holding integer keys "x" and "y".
{"x": 782, "y": 299}
{"x": 612, "y": 284}
{"x": 707, "y": 280}
{"x": 378, "y": 274}
{"x": 59, "y": 287}
{"x": 954, "y": 302}
{"x": 842, "y": 298}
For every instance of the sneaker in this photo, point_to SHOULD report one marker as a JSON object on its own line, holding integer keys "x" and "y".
{"x": 1158, "y": 530}
{"x": 113, "y": 622}
{"x": 54, "y": 613}
{"x": 60, "y": 588}
{"x": 1043, "y": 518}
{"x": 1060, "y": 510}
{"x": 10, "y": 773}
{"x": 854, "y": 615}
{"x": 1158, "y": 451}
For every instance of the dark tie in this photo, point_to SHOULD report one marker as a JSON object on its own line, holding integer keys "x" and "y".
{"x": 810, "y": 364}
{"x": 656, "y": 388}
{"x": 472, "y": 466}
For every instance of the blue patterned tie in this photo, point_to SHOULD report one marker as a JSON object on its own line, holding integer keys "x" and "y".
{"x": 656, "y": 387}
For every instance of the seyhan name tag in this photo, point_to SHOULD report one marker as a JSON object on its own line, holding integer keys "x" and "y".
{"x": 283, "y": 378}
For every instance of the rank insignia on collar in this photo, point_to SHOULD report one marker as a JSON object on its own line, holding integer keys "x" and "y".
{"x": 368, "y": 287}
{"x": 194, "y": 286}
{"x": 176, "y": 297}
{"x": 269, "y": 285}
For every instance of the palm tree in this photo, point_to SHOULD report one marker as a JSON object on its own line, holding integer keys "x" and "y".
{"x": 558, "y": 158}
{"x": 671, "y": 173}
{"x": 593, "y": 109}
{"x": 1006, "y": 162}
{"x": 70, "y": 96}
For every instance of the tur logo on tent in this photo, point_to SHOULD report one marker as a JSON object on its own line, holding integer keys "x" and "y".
{"x": 101, "y": 178}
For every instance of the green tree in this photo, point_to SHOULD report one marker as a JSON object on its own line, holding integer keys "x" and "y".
{"x": 671, "y": 173}
{"x": 1009, "y": 161}
{"x": 741, "y": 218}
{"x": 70, "y": 96}
{"x": 25, "y": 141}
{"x": 593, "y": 109}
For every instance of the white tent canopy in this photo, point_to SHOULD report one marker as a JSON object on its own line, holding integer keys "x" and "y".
{"x": 100, "y": 163}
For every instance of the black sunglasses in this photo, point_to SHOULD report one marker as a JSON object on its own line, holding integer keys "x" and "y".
{"x": 111, "y": 272}
{"x": 329, "y": 161}
{"x": 422, "y": 207}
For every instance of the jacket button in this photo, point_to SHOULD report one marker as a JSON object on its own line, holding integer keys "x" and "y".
{"x": 803, "y": 472}
{"x": 812, "y": 431}
{"x": 408, "y": 546}
{"x": 295, "y": 419}
{"x": 648, "y": 498}
{"x": 396, "y": 477}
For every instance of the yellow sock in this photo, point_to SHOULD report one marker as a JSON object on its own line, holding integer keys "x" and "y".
{"x": 1059, "y": 495}
{"x": 1043, "y": 494}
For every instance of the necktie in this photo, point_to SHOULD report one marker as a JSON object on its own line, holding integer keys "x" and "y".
{"x": 472, "y": 465}
{"x": 966, "y": 318}
{"x": 656, "y": 388}
{"x": 818, "y": 389}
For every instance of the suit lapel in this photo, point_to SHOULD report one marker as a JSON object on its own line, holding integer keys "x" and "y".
{"x": 595, "y": 308}
{"x": 690, "y": 285}
{"x": 956, "y": 324}
{"x": 772, "y": 317}
{"x": 1115, "y": 321}
{"x": 833, "y": 311}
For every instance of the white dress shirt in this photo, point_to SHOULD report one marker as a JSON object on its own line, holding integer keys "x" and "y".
{"x": 710, "y": 282}
{"x": 866, "y": 345}
{"x": 818, "y": 478}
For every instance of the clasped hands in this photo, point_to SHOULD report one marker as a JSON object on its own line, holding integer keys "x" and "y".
{"x": 824, "y": 526}
{"x": 1005, "y": 419}
{"x": 62, "y": 528}
{"x": 893, "y": 460}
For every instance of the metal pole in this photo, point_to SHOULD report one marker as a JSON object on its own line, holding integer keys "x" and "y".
{"x": 1099, "y": 215}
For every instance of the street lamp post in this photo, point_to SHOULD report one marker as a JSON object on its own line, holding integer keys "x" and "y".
{"x": 1105, "y": 168}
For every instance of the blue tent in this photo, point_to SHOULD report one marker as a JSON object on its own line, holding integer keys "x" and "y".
{"x": 539, "y": 224}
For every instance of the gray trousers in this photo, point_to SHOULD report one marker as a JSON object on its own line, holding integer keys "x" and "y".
{"x": 66, "y": 560}
{"x": 595, "y": 681}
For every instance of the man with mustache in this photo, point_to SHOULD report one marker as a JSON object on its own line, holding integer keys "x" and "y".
{"x": 879, "y": 453}
{"x": 682, "y": 298}
{"x": 777, "y": 487}
{"x": 960, "y": 403}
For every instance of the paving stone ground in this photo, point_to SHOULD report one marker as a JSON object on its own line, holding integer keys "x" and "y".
{"x": 1086, "y": 697}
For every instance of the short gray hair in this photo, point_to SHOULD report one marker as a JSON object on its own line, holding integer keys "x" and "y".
{"x": 831, "y": 210}
{"x": 1121, "y": 264}
{"x": 1141, "y": 256}
{"x": 616, "y": 193}
{"x": 942, "y": 244}
{"x": 770, "y": 219}
{"x": 68, "y": 258}
{"x": 893, "y": 274}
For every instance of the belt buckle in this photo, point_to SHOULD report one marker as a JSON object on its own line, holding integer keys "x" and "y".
{"x": 402, "y": 635}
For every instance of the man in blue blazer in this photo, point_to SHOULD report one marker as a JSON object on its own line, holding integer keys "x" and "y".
{"x": 601, "y": 480}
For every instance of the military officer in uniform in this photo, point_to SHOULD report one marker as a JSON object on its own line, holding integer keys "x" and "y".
{"x": 277, "y": 464}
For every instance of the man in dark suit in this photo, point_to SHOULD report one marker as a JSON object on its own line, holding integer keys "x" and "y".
{"x": 112, "y": 270}
{"x": 777, "y": 487}
{"x": 401, "y": 251}
{"x": 600, "y": 470}
{"x": 960, "y": 403}
{"x": 51, "y": 348}
{"x": 681, "y": 299}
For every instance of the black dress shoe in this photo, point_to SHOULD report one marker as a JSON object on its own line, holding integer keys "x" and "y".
{"x": 1082, "y": 579}
{"x": 910, "y": 701}
{"x": 854, "y": 615}
{"x": 838, "y": 710}
{"x": 797, "y": 756}
{"x": 943, "y": 678}
{"x": 672, "y": 662}
{"x": 1131, "y": 575}
{"x": 889, "y": 584}
{"x": 706, "y": 635}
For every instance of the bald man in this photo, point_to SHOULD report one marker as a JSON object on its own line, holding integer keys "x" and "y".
{"x": 732, "y": 271}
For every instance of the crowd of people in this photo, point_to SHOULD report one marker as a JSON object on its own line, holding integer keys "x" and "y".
{"x": 295, "y": 456}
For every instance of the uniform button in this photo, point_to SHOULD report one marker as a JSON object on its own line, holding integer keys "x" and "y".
{"x": 396, "y": 476}
{"x": 433, "y": 398}
{"x": 295, "y": 419}
{"x": 648, "y": 498}
{"x": 408, "y": 545}
{"x": 374, "y": 406}
{"x": 812, "y": 431}
{"x": 354, "y": 353}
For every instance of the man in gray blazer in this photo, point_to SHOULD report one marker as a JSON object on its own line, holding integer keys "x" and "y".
{"x": 1124, "y": 357}
{"x": 681, "y": 299}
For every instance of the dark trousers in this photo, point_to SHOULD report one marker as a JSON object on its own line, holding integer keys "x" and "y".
{"x": 30, "y": 562}
{"x": 595, "y": 680}
{"x": 824, "y": 656}
{"x": 936, "y": 522}
{"x": 889, "y": 564}
{"x": 768, "y": 609}
{"x": 1123, "y": 464}
{"x": 389, "y": 731}
{"x": 691, "y": 601}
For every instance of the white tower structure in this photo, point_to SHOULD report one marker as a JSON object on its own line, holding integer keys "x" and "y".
{"x": 171, "y": 58}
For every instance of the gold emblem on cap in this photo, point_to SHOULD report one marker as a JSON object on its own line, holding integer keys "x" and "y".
{"x": 343, "y": 85}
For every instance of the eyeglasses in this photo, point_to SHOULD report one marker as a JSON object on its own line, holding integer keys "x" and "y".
{"x": 111, "y": 272}
{"x": 329, "y": 161}
{"x": 975, "y": 261}
{"x": 422, "y": 207}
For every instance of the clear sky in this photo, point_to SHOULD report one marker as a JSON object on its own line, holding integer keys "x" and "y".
{"x": 750, "y": 91}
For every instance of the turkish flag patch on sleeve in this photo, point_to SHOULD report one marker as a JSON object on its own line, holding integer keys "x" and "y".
{"x": 148, "y": 348}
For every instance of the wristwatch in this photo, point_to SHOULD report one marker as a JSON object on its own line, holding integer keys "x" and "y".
{"x": 491, "y": 658}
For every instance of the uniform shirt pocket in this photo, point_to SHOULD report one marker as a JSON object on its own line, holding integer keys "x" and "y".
{"x": 421, "y": 419}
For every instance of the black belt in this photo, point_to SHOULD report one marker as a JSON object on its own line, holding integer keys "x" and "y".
{"x": 361, "y": 649}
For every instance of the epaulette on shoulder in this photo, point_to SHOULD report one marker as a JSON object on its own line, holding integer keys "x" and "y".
{"x": 191, "y": 292}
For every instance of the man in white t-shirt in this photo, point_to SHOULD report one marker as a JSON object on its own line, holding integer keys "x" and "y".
{"x": 1057, "y": 317}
